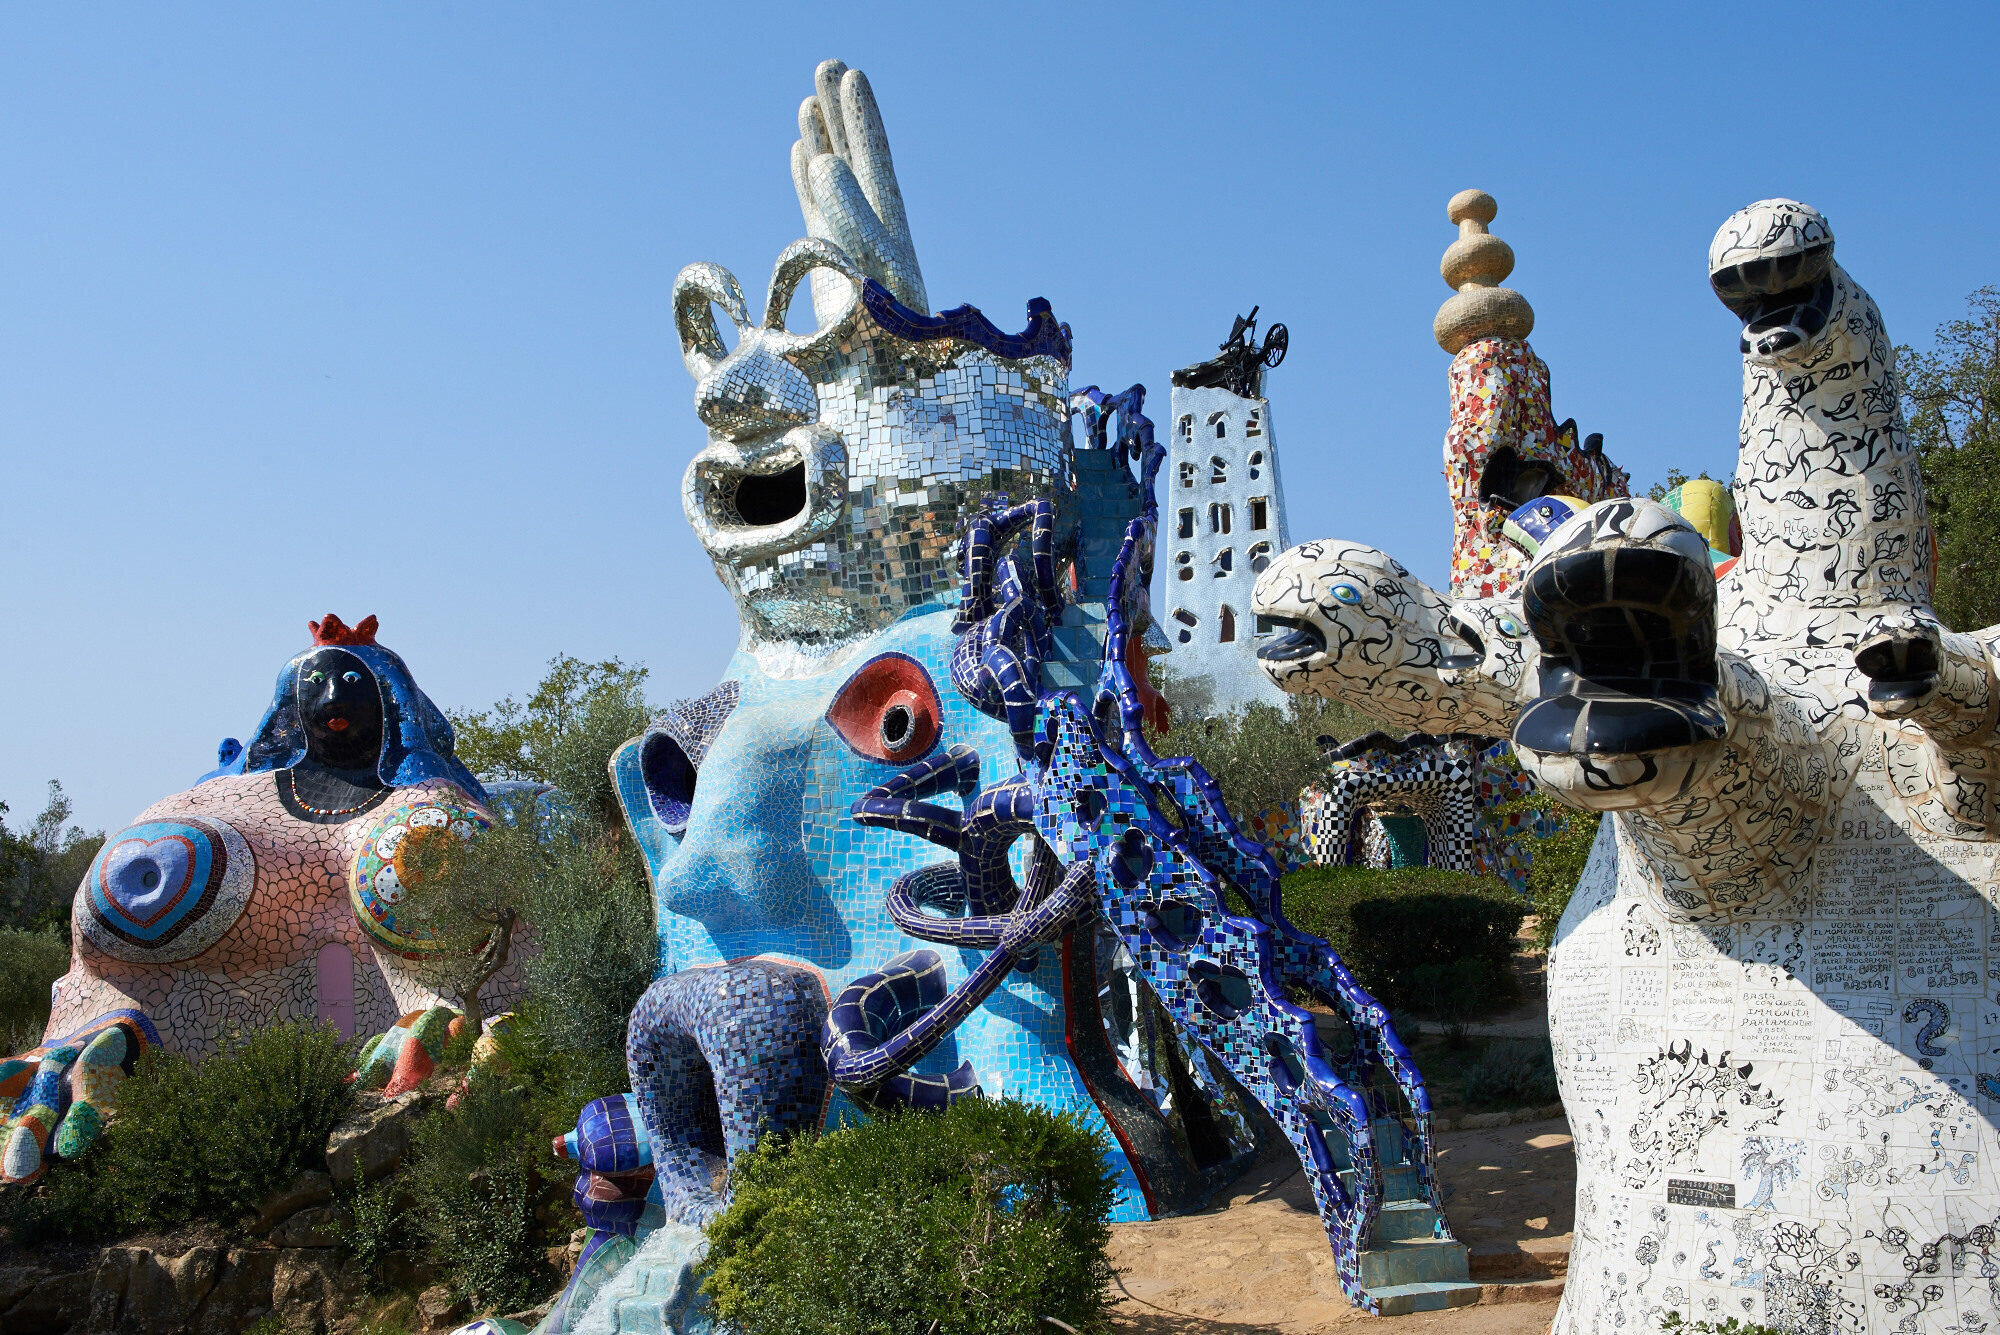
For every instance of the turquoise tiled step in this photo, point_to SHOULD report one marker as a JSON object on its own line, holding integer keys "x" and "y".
{"x": 1413, "y": 1261}
{"x": 1405, "y": 1219}
{"x": 643, "y": 1316}
{"x": 1403, "y": 1299}
{"x": 1399, "y": 1183}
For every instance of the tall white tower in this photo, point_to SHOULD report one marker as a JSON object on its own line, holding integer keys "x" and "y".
{"x": 1222, "y": 515}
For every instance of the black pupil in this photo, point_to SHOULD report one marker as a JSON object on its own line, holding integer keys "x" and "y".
{"x": 149, "y": 877}
{"x": 896, "y": 725}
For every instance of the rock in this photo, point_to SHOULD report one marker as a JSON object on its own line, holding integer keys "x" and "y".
{"x": 242, "y": 1292}
{"x": 305, "y": 1191}
{"x": 1521, "y": 1291}
{"x": 56, "y": 1304}
{"x": 309, "y": 1289}
{"x": 16, "y": 1282}
{"x": 439, "y": 1304}
{"x": 532, "y": 1316}
{"x": 373, "y": 1141}
{"x": 138, "y": 1289}
{"x": 404, "y": 1273}
{"x": 307, "y": 1228}
{"x": 1483, "y": 1121}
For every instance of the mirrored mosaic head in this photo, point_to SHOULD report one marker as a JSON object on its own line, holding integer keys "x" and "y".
{"x": 840, "y": 459}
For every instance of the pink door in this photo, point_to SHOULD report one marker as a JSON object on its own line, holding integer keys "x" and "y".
{"x": 336, "y": 987}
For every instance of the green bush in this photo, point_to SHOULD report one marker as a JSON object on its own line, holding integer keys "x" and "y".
{"x": 1556, "y": 867}
{"x": 1675, "y": 1324}
{"x": 1260, "y": 756}
{"x": 213, "y": 1140}
{"x": 30, "y": 963}
{"x": 586, "y": 894}
{"x": 1406, "y": 932}
{"x": 473, "y": 1189}
{"x": 370, "y": 1227}
{"x": 1512, "y": 1073}
{"x": 980, "y": 1220}
{"x": 72, "y": 1203}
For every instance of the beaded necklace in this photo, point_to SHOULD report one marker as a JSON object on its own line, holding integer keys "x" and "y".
{"x": 292, "y": 783}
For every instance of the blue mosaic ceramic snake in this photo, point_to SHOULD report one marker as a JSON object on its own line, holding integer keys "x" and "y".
{"x": 1149, "y": 843}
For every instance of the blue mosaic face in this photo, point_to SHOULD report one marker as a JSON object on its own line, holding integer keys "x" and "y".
{"x": 768, "y": 860}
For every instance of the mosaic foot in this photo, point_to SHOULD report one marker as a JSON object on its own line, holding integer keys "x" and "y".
{"x": 399, "y": 1060}
{"x": 63, "y": 1094}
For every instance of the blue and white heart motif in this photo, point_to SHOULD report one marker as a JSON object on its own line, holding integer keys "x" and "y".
{"x": 147, "y": 878}
{"x": 166, "y": 889}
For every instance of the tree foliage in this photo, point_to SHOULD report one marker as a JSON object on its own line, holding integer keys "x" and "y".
{"x": 41, "y": 865}
{"x": 30, "y": 963}
{"x": 579, "y": 882}
{"x": 564, "y": 733}
{"x": 1951, "y": 398}
{"x": 1260, "y": 756}
{"x": 1675, "y": 477}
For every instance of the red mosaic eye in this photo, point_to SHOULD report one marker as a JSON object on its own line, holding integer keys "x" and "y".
{"x": 888, "y": 710}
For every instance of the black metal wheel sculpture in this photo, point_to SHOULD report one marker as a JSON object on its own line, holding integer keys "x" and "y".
{"x": 1241, "y": 364}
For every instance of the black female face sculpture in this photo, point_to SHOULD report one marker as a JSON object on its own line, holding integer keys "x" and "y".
{"x": 340, "y": 703}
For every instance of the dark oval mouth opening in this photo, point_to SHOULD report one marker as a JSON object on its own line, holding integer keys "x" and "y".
{"x": 1743, "y": 286}
{"x": 1301, "y": 639}
{"x": 1510, "y": 482}
{"x": 764, "y": 499}
{"x": 1464, "y": 632}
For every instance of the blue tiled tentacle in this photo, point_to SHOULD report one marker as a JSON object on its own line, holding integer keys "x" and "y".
{"x": 885, "y": 1022}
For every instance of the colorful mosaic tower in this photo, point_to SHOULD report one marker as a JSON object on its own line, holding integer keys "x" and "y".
{"x": 1504, "y": 447}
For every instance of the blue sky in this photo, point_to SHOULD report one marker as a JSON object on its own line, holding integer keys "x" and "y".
{"x": 364, "y": 308}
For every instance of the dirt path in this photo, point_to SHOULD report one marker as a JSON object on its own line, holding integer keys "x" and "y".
{"x": 1258, "y": 1264}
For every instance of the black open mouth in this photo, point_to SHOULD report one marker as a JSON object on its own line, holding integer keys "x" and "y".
{"x": 1781, "y": 301}
{"x": 763, "y": 499}
{"x": 1463, "y": 631}
{"x": 1510, "y": 482}
{"x": 1301, "y": 639}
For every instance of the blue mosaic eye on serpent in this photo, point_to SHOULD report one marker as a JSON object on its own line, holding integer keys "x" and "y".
{"x": 1346, "y": 593}
{"x": 350, "y": 677}
{"x": 1510, "y": 628}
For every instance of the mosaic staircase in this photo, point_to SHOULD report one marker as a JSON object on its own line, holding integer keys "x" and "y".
{"x": 1409, "y": 1268}
{"x": 657, "y": 1293}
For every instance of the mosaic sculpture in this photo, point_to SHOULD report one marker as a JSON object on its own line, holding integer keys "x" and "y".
{"x": 1147, "y": 843}
{"x": 1228, "y": 506}
{"x": 845, "y": 469}
{"x": 1769, "y": 997}
{"x": 1708, "y": 507}
{"x": 264, "y": 895}
{"x": 1505, "y": 447}
{"x": 918, "y": 550}
{"x": 1452, "y": 788}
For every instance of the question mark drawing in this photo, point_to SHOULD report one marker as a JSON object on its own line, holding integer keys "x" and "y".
{"x": 1940, "y": 1017}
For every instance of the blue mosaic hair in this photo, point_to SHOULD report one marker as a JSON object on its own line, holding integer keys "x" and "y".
{"x": 1045, "y": 336}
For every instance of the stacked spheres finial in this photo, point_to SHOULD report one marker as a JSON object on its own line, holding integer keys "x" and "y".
{"x": 1473, "y": 266}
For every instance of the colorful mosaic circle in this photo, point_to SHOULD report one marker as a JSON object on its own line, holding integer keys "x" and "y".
{"x": 166, "y": 889}
{"x": 382, "y": 873}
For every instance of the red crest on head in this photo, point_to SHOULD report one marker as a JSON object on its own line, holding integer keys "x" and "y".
{"x": 335, "y": 631}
